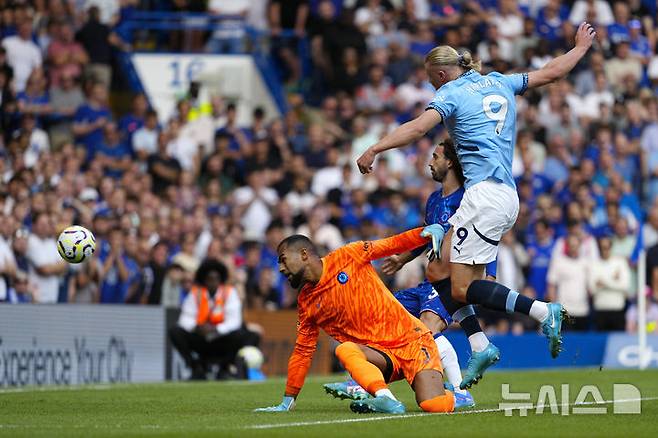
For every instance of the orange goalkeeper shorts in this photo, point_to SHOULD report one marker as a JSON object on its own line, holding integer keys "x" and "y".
{"x": 412, "y": 358}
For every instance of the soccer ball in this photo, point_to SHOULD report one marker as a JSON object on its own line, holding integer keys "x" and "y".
{"x": 75, "y": 244}
{"x": 252, "y": 356}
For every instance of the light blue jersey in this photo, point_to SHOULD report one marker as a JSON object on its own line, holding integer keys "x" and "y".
{"x": 480, "y": 115}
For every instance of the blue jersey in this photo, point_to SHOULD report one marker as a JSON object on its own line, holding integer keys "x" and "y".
{"x": 539, "y": 263}
{"x": 439, "y": 209}
{"x": 479, "y": 112}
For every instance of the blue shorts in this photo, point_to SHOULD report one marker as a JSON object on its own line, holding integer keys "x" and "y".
{"x": 423, "y": 298}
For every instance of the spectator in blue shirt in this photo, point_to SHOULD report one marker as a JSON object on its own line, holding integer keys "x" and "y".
{"x": 269, "y": 258}
{"x": 131, "y": 122}
{"x": 21, "y": 291}
{"x": 618, "y": 31}
{"x": 116, "y": 270}
{"x": 423, "y": 40}
{"x": 639, "y": 43}
{"x": 550, "y": 22}
{"x": 539, "y": 250}
{"x": 34, "y": 99}
{"x": 113, "y": 153}
{"x": 90, "y": 119}
{"x": 398, "y": 215}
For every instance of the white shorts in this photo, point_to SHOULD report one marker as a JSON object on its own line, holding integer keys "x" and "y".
{"x": 487, "y": 211}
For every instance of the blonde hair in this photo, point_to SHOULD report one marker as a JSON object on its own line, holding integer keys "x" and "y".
{"x": 446, "y": 55}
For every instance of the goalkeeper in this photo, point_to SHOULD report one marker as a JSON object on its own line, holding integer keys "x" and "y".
{"x": 380, "y": 341}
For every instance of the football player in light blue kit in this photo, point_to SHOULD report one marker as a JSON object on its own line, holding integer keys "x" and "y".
{"x": 479, "y": 112}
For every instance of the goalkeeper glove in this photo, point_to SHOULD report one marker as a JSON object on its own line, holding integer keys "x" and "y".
{"x": 436, "y": 232}
{"x": 287, "y": 404}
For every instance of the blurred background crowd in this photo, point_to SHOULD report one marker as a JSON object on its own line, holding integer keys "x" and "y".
{"x": 161, "y": 196}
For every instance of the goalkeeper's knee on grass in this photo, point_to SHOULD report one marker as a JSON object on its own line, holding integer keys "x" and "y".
{"x": 441, "y": 403}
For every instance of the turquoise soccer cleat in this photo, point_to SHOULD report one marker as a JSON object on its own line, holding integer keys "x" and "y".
{"x": 478, "y": 363}
{"x": 381, "y": 405}
{"x": 551, "y": 326}
{"x": 346, "y": 390}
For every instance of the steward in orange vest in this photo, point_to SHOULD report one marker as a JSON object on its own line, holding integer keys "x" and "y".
{"x": 210, "y": 328}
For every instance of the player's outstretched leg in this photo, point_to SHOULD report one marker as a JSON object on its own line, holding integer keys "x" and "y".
{"x": 467, "y": 286}
{"x": 365, "y": 365}
{"x": 483, "y": 353}
{"x": 495, "y": 296}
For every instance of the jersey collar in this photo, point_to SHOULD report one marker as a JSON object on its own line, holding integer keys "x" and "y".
{"x": 466, "y": 73}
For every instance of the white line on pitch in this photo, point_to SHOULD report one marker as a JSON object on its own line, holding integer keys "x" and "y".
{"x": 424, "y": 414}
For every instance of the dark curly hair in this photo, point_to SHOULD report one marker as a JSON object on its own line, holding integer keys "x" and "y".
{"x": 210, "y": 265}
{"x": 450, "y": 153}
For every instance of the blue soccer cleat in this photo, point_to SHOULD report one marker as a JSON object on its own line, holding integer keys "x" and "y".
{"x": 381, "y": 405}
{"x": 463, "y": 399}
{"x": 478, "y": 363}
{"x": 346, "y": 390}
{"x": 551, "y": 326}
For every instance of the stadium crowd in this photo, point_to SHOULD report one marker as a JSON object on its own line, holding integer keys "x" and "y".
{"x": 162, "y": 196}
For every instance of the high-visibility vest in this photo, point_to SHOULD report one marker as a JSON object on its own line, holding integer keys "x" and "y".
{"x": 206, "y": 313}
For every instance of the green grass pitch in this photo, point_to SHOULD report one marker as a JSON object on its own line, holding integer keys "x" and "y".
{"x": 225, "y": 409}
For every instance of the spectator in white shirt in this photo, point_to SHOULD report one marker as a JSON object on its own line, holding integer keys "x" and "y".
{"x": 512, "y": 258}
{"x": 415, "y": 90}
{"x": 46, "y": 266}
{"x": 567, "y": 282}
{"x": 591, "y": 104}
{"x": 39, "y": 142}
{"x": 300, "y": 199}
{"x": 22, "y": 54}
{"x": 622, "y": 68}
{"x": 587, "y": 245}
{"x": 581, "y": 9}
{"x": 329, "y": 177}
{"x": 509, "y": 20}
{"x": 254, "y": 205}
{"x": 229, "y": 34}
{"x": 623, "y": 241}
{"x": 183, "y": 148}
{"x": 318, "y": 229}
{"x": 609, "y": 284}
{"x": 145, "y": 139}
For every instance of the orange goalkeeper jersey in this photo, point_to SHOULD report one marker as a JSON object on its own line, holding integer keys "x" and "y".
{"x": 351, "y": 303}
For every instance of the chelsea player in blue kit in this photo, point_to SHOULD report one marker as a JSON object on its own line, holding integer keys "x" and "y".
{"x": 479, "y": 112}
{"x": 423, "y": 301}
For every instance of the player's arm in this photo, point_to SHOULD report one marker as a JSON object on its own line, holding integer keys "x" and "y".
{"x": 389, "y": 246}
{"x": 298, "y": 365}
{"x": 563, "y": 64}
{"x": 395, "y": 262}
{"x": 404, "y": 134}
